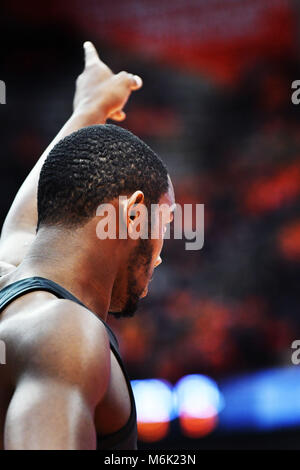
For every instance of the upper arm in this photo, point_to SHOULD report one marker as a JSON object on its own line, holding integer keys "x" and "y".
{"x": 66, "y": 376}
{"x": 19, "y": 228}
{"x": 14, "y": 246}
{"x": 47, "y": 414}
{"x": 5, "y": 268}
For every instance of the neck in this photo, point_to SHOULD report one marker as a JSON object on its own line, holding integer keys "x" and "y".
{"x": 63, "y": 257}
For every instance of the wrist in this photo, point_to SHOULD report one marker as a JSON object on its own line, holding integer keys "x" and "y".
{"x": 86, "y": 116}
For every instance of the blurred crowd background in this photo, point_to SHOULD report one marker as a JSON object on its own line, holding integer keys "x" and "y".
{"x": 216, "y": 106}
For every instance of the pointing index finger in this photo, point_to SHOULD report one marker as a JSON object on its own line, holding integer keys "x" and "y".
{"x": 90, "y": 53}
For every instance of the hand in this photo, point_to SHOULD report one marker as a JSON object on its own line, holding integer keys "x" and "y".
{"x": 101, "y": 94}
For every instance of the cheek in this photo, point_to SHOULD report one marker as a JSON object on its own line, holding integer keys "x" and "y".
{"x": 158, "y": 245}
{"x": 159, "y": 227}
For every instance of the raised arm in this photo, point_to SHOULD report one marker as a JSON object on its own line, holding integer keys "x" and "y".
{"x": 99, "y": 95}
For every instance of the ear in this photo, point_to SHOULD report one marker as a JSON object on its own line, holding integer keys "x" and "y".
{"x": 134, "y": 213}
{"x": 135, "y": 201}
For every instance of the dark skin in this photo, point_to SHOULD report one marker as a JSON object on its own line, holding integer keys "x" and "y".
{"x": 62, "y": 384}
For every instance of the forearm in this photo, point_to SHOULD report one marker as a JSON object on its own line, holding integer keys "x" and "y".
{"x": 23, "y": 212}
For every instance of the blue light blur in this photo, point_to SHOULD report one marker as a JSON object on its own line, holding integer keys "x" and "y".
{"x": 266, "y": 400}
{"x": 154, "y": 400}
{"x": 198, "y": 396}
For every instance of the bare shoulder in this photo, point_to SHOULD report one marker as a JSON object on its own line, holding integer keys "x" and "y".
{"x": 59, "y": 338}
{"x": 68, "y": 328}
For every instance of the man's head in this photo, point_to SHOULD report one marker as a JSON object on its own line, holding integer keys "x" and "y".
{"x": 95, "y": 166}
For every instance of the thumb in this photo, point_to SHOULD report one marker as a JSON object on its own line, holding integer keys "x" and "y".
{"x": 130, "y": 81}
{"x": 136, "y": 82}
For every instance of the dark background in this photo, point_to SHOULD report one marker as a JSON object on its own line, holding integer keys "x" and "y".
{"x": 216, "y": 106}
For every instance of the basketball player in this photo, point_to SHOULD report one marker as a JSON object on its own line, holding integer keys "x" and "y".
{"x": 64, "y": 385}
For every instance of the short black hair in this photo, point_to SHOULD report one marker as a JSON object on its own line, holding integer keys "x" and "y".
{"x": 92, "y": 166}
